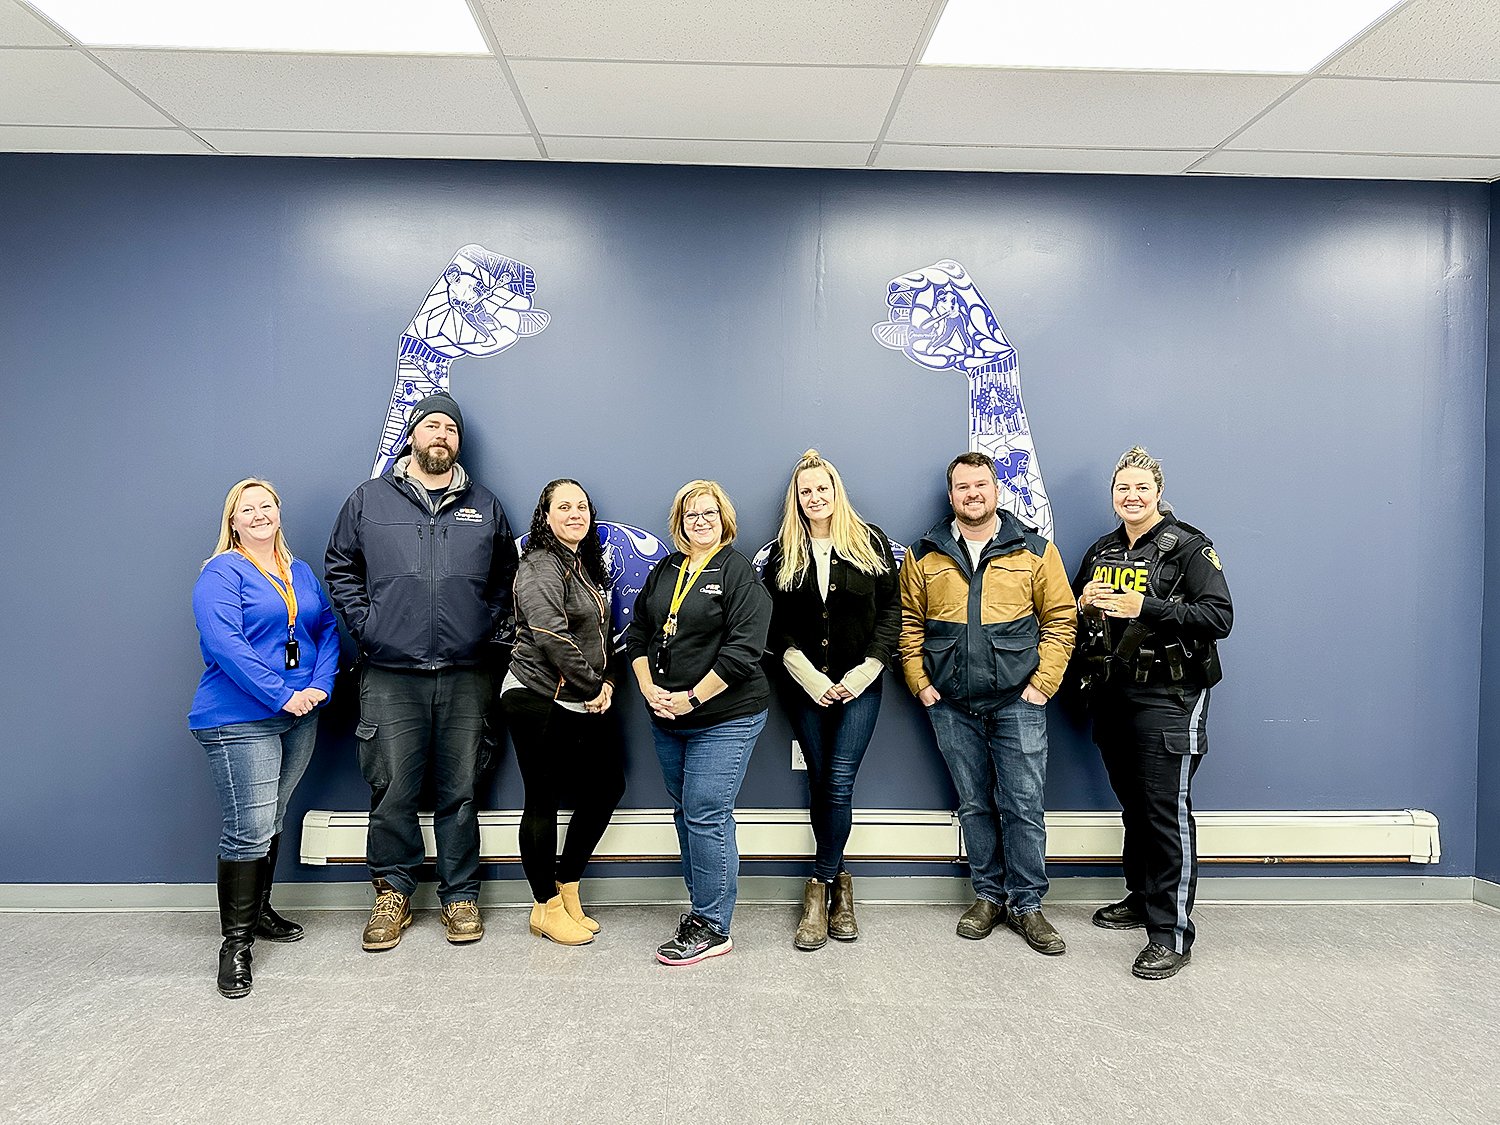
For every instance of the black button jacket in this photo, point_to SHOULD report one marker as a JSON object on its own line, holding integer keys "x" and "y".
{"x": 861, "y": 618}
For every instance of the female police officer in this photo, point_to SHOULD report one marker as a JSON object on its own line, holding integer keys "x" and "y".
{"x": 1153, "y": 602}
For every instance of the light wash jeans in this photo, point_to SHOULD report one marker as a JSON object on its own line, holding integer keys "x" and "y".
{"x": 999, "y": 766}
{"x": 703, "y": 770}
{"x": 256, "y": 767}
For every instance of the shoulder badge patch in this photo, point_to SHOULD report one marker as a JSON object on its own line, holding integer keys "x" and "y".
{"x": 1212, "y": 556}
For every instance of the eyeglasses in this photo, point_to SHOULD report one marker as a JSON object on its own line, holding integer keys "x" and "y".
{"x": 711, "y": 515}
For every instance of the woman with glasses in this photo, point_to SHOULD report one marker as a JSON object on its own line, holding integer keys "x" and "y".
{"x": 695, "y": 643}
{"x": 270, "y": 651}
{"x": 836, "y": 617}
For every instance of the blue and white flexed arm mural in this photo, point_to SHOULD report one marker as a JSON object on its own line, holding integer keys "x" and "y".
{"x": 479, "y": 305}
{"x": 940, "y": 320}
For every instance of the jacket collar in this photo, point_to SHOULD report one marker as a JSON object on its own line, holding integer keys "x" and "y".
{"x": 405, "y": 482}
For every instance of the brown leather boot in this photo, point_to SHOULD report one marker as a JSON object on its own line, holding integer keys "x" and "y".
{"x": 841, "y": 923}
{"x": 812, "y": 930}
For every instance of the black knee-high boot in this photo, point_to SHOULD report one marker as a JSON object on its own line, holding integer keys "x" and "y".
{"x": 240, "y": 888}
{"x": 272, "y": 926}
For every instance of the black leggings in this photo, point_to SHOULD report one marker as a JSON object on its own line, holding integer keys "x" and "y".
{"x": 562, "y": 751}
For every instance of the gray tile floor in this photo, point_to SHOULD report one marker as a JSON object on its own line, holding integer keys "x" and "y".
{"x": 1329, "y": 1013}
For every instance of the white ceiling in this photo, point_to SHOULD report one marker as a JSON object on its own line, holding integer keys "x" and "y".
{"x": 805, "y": 83}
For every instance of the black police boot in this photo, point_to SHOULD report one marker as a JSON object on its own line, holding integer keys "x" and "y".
{"x": 272, "y": 926}
{"x": 1119, "y": 916}
{"x": 1157, "y": 962}
{"x": 240, "y": 888}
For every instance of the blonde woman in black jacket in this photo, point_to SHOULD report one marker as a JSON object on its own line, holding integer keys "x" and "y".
{"x": 835, "y": 620}
{"x": 556, "y": 698}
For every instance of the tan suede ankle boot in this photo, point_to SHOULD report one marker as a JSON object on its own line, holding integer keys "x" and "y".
{"x": 550, "y": 920}
{"x": 569, "y": 893}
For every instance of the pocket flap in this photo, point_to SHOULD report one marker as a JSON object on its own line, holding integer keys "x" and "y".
{"x": 365, "y": 731}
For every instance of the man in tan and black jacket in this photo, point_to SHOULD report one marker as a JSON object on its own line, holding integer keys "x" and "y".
{"x": 987, "y": 625}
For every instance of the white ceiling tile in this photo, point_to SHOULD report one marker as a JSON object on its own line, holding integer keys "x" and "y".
{"x": 1106, "y": 109}
{"x": 353, "y": 93}
{"x": 66, "y": 138}
{"x": 460, "y": 146}
{"x": 1370, "y": 115}
{"x": 21, "y": 28}
{"x": 771, "y": 154}
{"x": 1454, "y": 39}
{"x": 878, "y": 32}
{"x": 958, "y": 158}
{"x": 1339, "y": 165}
{"x": 706, "y": 102}
{"x": 65, "y": 87}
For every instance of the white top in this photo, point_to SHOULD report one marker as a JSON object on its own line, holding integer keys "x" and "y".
{"x": 975, "y": 547}
{"x": 822, "y": 553}
{"x": 511, "y": 682}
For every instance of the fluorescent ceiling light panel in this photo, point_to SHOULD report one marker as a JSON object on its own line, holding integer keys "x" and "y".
{"x": 1255, "y": 36}
{"x": 397, "y": 27}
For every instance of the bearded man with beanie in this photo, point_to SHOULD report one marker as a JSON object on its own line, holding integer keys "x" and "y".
{"x": 419, "y": 566}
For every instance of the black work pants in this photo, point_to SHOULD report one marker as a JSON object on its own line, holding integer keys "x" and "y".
{"x": 562, "y": 754}
{"x": 1152, "y": 741}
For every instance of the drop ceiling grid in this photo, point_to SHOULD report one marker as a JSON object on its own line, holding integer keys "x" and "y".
{"x": 1452, "y": 39}
{"x": 664, "y": 100}
{"x": 19, "y": 27}
{"x": 828, "y": 32}
{"x": 337, "y": 93}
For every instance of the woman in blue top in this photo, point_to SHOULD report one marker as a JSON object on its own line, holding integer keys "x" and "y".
{"x": 270, "y": 650}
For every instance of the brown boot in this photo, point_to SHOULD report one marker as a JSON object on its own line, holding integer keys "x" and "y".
{"x": 841, "y": 923}
{"x": 463, "y": 921}
{"x": 812, "y": 930}
{"x": 569, "y": 893}
{"x": 390, "y": 915}
{"x": 550, "y": 920}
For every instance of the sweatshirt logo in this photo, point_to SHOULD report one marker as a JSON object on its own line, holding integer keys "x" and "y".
{"x": 712, "y": 588}
{"x": 468, "y": 515}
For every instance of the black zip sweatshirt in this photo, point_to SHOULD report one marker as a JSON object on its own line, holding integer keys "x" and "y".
{"x": 721, "y": 627}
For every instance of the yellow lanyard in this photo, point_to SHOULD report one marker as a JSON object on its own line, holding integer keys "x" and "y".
{"x": 681, "y": 591}
{"x": 284, "y": 588}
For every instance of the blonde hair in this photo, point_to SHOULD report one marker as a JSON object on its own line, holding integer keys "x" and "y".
{"x": 1136, "y": 457}
{"x": 851, "y": 535}
{"x": 229, "y": 538}
{"x": 690, "y": 491}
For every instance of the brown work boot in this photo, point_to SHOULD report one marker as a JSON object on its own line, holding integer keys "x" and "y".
{"x": 390, "y": 915}
{"x": 980, "y": 919}
{"x": 812, "y": 930}
{"x": 841, "y": 923}
{"x": 463, "y": 921}
{"x": 1038, "y": 932}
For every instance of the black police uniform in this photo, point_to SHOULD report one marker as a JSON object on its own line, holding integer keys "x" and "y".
{"x": 1147, "y": 684}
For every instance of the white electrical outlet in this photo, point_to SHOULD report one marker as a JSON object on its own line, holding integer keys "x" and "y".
{"x": 798, "y": 761}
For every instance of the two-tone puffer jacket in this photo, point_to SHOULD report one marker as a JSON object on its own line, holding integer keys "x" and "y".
{"x": 981, "y": 636}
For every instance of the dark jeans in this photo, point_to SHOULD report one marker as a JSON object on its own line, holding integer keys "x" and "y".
{"x": 408, "y": 720}
{"x": 561, "y": 751}
{"x": 999, "y": 765}
{"x": 833, "y": 740}
{"x": 1152, "y": 741}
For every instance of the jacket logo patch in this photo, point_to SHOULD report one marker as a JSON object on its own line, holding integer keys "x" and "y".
{"x": 468, "y": 515}
{"x": 712, "y": 588}
{"x": 1212, "y": 556}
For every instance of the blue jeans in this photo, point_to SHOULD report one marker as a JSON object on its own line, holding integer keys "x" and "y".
{"x": 255, "y": 767}
{"x": 703, "y": 770}
{"x": 406, "y": 720}
{"x": 999, "y": 767}
{"x": 833, "y": 740}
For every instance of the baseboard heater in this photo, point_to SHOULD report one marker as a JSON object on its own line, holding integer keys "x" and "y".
{"x": 1402, "y": 836}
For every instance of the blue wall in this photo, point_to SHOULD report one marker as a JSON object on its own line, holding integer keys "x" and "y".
{"x": 1487, "y": 844}
{"x": 1307, "y": 358}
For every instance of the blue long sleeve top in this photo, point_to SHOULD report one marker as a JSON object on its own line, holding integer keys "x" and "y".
{"x": 242, "y": 632}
